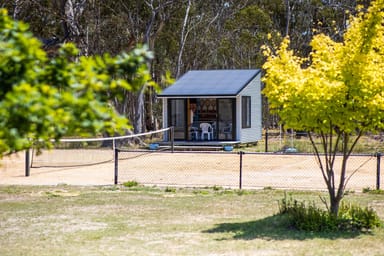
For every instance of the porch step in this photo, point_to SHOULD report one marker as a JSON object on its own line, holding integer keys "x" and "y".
{"x": 198, "y": 148}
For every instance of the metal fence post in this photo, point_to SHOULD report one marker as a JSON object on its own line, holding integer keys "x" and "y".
{"x": 27, "y": 162}
{"x": 241, "y": 170}
{"x": 116, "y": 159}
{"x": 172, "y": 135}
{"x": 378, "y": 157}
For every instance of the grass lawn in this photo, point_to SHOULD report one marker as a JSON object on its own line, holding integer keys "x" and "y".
{"x": 69, "y": 220}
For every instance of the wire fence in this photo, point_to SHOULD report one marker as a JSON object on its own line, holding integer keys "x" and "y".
{"x": 143, "y": 159}
{"x": 240, "y": 169}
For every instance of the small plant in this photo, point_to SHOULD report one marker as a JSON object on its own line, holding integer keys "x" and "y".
{"x": 112, "y": 188}
{"x": 308, "y": 217}
{"x": 373, "y": 191}
{"x": 201, "y": 192}
{"x": 130, "y": 184}
{"x": 241, "y": 192}
{"x": 170, "y": 190}
{"x": 353, "y": 217}
{"x": 349, "y": 192}
{"x": 217, "y": 188}
{"x": 52, "y": 194}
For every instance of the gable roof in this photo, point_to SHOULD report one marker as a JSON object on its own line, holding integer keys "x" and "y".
{"x": 194, "y": 83}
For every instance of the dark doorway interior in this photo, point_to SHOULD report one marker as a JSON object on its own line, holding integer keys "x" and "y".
{"x": 203, "y": 119}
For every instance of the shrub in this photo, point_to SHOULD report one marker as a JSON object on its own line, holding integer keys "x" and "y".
{"x": 373, "y": 191}
{"x": 130, "y": 184}
{"x": 353, "y": 217}
{"x": 309, "y": 217}
{"x": 170, "y": 190}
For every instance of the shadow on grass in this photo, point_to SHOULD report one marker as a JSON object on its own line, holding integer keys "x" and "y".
{"x": 273, "y": 228}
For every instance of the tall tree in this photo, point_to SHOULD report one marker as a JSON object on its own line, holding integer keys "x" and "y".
{"x": 217, "y": 34}
{"x": 336, "y": 94}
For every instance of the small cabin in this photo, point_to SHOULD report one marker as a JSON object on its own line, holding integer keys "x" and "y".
{"x": 214, "y": 105}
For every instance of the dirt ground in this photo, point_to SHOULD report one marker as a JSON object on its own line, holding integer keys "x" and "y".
{"x": 96, "y": 167}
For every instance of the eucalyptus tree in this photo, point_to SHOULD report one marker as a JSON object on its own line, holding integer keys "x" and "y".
{"x": 182, "y": 34}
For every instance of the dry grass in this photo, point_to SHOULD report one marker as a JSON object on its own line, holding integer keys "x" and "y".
{"x": 66, "y": 220}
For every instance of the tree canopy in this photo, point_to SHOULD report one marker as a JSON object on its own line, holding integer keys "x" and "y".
{"x": 184, "y": 35}
{"x": 45, "y": 98}
{"x": 336, "y": 93}
{"x": 339, "y": 85}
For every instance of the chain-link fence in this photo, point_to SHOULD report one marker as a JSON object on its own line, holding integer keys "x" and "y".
{"x": 240, "y": 169}
{"x": 278, "y": 141}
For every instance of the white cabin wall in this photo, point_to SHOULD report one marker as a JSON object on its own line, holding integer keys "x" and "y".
{"x": 254, "y": 133}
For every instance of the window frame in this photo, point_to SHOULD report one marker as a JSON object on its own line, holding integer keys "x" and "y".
{"x": 246, "y": 121}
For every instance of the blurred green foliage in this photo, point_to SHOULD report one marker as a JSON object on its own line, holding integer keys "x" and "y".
{"x": 44, "y": 98}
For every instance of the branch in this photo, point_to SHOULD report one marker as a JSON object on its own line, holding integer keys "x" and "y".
{"x": 349, "y": 154}
{"x": 317, "y": 154}
{"x": 341, "y": 188}
{"x": 355, "y": 142}
{"x": 329, "y": 168}
{"x": 325, "y": 202}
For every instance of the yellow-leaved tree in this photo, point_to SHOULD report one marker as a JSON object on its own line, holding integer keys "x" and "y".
{"x": 337, "y": 93}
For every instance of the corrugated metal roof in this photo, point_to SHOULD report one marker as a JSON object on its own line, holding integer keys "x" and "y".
{"x": 210, "y": 83}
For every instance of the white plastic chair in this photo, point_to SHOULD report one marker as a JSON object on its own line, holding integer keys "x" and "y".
{"x": 206, "y": 129}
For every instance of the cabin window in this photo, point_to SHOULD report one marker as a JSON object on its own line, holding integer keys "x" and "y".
{"x": 246, "y": 111}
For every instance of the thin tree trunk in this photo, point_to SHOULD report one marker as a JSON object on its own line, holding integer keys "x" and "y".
{"x": 16, "y": 9}
{"x": 288, "y": 20}
{"x": 72, "y": 11}
{"x": 183, "y": 39}
{"x": 139, "y": 122}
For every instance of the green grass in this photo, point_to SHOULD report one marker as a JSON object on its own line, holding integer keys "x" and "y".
{"x": 118, "y": 220}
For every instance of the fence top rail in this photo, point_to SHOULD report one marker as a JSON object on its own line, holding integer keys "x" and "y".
{"x": 306, "y": 154}
{"x": 115, "y": 137}
{"x": 167, "y": 151}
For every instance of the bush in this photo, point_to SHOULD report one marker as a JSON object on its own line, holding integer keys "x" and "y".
{"x": 373, "y": 191}
{"x": 353, "y": 217}
{"x": 309, "y": 217}
{"x": 130, "y": 184}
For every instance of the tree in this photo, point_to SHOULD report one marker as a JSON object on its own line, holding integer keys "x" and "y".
{"x": 43, "y": 99}
{"x": 183, "y": 34}
{"x": 336, "y": 93}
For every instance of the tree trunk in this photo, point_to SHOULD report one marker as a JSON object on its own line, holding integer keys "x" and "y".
{"x": 288, "y": 20}
{"x": 330, "y": 146}
{"x": 138, "y": 126}
{"x": 139, "y": 122}
{"x": 335, "y": 205}
{"x": 16, "y": 9}
{"x": 141, "y": 116}
{"x": 72, "y": 11}
{"x": 326, "y": 164}
{"x": 183, "y": 39}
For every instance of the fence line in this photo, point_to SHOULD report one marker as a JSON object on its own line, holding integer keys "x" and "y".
{"x": 239, "y": 170}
